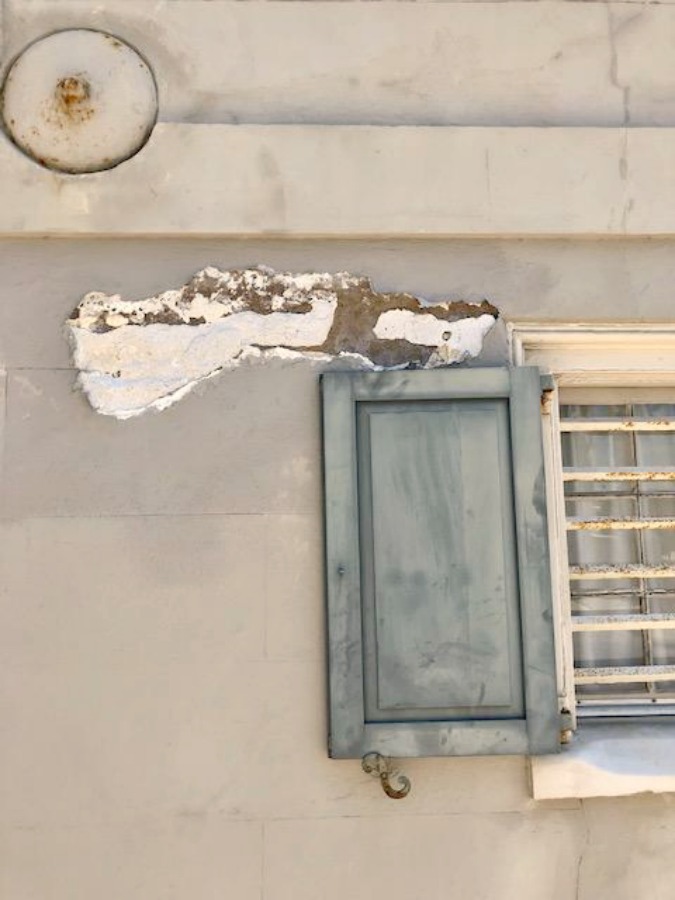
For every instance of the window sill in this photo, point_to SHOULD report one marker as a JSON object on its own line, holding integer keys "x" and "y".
{"x": 609, "y": 760}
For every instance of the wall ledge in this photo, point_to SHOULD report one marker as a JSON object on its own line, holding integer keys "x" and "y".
{"x": 608, "y": 760}
{"x": 357, "y": 181}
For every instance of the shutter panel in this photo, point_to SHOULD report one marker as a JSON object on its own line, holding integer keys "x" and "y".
{"x": 439, "y": 594}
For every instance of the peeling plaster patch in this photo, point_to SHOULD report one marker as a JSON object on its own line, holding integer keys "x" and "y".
{"x": 137, "y": 355}
{"x": 454, "y": 342}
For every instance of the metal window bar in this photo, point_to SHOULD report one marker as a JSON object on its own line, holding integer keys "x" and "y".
{"x": 623, "y": 622}
{"x": 624, "y": 674}
{"x": 630, "y": 570}
{"x": 625, "y": 524}
{"x": 609, "y": 425}
{"x": 645, "y": 621}
{"x": 632, "y": 473}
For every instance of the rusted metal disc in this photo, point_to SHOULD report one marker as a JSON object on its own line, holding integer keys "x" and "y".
{"x": 79, "y": 101}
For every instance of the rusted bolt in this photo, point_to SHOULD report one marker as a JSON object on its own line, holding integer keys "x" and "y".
{"x": 72, "y": 91}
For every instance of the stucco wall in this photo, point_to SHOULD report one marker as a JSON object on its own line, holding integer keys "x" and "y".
{"x": 162, "y": 619}
{"x": 162, "y": 626}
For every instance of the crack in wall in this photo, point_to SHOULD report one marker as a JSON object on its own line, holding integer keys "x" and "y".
{"x": 614, "y": 30}
{"x": 136, "y": 355}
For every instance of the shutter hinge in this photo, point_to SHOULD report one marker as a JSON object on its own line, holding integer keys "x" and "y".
{"x": 546, "y": 402}
{"x": 547, "y": 383}
{"x": 566, "y": 727}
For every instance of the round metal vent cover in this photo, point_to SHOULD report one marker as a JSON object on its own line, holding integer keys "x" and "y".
{"x": 79, "y": 101}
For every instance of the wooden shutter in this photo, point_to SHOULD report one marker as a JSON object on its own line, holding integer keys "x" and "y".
{"x": 439, "y": 593}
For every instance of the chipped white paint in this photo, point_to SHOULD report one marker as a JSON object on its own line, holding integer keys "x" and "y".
{"x": 455, "y": 341}
{"x": 134, "y": 356}
{"x": 79, "y": 101}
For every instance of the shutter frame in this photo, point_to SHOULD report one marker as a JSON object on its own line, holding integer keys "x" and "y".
{"x": 541, "y": 694}
{"x": 351, "y": 736}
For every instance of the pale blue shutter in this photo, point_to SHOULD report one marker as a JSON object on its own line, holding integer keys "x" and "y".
{"x": 439, "y": 594}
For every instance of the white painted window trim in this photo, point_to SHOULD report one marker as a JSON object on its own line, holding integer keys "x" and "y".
{"x": 602, "y": 759}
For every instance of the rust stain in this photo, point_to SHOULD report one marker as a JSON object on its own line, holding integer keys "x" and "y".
{"x": 602, "y": 475}
{"x": 71, "y": 104}
{"x": 625, "y": 570}
{"x": 638, "y": 476}
{"x": 612, "y": 425}
{"x": 72, "y": 91}
{"x": 620, "y": 524}
{"x": 635, "y": 425}
{"x": 546, "y": 402}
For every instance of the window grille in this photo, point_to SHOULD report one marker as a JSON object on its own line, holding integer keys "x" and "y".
{"x": 619, "y": 485}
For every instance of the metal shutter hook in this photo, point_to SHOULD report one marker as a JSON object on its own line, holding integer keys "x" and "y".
{"x": 380, "y": 767}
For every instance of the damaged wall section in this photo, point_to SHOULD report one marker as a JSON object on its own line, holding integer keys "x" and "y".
{"x": 137, "y": 355}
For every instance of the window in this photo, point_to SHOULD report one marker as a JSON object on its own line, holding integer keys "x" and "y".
{"x": 476, "y": 606}
{"x": 619, "y": 485}
{"x": 610, "y": 451}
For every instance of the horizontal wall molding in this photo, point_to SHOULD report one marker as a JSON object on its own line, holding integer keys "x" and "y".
{"x": 404, "y": 63}
{"x": 358, "y": 181}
